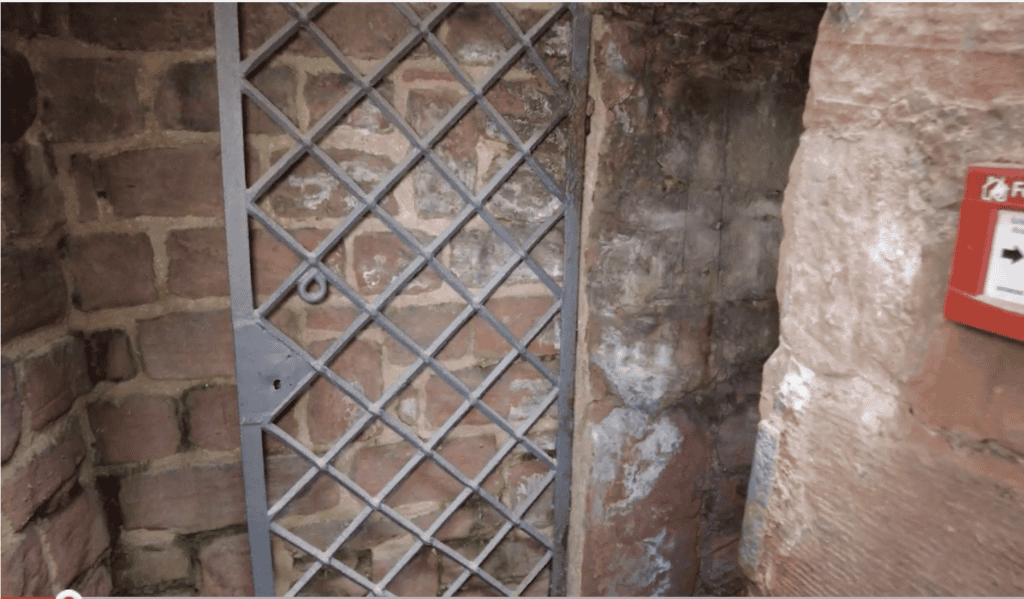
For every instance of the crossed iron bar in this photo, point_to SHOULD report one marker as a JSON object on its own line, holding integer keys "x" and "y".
{"x": 312, "y": 269}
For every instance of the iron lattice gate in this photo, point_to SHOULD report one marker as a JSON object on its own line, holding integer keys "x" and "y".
{"x": 534, "y": 175}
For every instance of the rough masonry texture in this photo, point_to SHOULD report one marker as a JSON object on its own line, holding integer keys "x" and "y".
{"x": 889, "y": 456}
{"x": 696, "y": 117}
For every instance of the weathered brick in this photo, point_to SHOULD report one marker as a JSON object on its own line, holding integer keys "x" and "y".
{"x": 187, "y": 345}
{"x": 272, "y": 262}
{"x": 32, "y": 485}
{"x": 25, "y": 573}
{"x": 366, "y": 31}
{"x": 380, "y": 257}
{"x": 144, "y": 26}
{"x": 324, "y": 90}
{"x": 515, "y": 394}
{"x": 419, "y": 578}
{"x": 83, "y": 174}
{"x": 331, "y": 411}
{"x": 284, "y": 470}
{"x": 213, "y": 417}
{"x": 92, "y": 99}
{"x": 308, "y": 190}
{"x": 524, "y": 198}
{"x": 524, "y": 479}
{"x": 51, "y": 381}
{"x": 476, "y": 37}
{"x": 442, "y": 400}
{"x": 33, "y": 205}
{"x": 30, "y": 19}
{"x": 278, "y": 84}
{"x": 423, "y": 324}
{"x": 10, "y": 421}
{"x": 33, "y": 290}
{"x": 111, "y": 357}
{"x": 331, "y": 319}
{"x": 478, "y": 255}
{"x": 375, "y": 466}
{"x": 226, "y": 568}
{"x": 519, "y": 315}
{"x": 187, "y": 97}
{"x": 736, "y": 437}
{"x": 198, "y": 263}
{"x": 111, "y": 270}
{"x": 150, "y": 182}
{"x": 138, "y": 428}
{"x": 149, "y": 564}
{"x": 190, "y": 498}
{"x": 75, "y": 538}
{"x": 98, "y": 583}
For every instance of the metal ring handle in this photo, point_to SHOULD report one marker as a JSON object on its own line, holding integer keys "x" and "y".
{"x": 311, "y": 276}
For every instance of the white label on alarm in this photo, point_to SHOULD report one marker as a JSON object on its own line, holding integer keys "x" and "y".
{"x": 1005, "y": 277}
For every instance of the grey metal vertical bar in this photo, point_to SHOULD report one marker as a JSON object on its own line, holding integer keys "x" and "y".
{"x": 577, "y": 139}
{"x": 236, "y": 220}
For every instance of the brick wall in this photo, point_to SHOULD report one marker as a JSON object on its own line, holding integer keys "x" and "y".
{"x": 117, "y": 347}
{"x": 890, "y": 456}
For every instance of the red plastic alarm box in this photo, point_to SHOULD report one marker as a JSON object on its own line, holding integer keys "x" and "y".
{"x": 986, "y": 288}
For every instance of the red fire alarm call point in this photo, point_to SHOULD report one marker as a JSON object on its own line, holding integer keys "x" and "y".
{"x": 986, "y": 288}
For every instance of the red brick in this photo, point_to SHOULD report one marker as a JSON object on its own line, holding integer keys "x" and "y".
{"x": 187, "y": 97}
{"x": 110, "y": 270}
{"x": 272, "y": 261}
{"x": 188, "y": 345}
{"x": 198, "y": 263}
{"x": 380, "y": 257}
{"x": 51, "y": 381}
{"x": 137, "y": 429}
{"x": 331, "y": 411}
{"x": 97, "y": 584}
{"x": 82, "y": 167}
{"x": 226, "y": 568}
{"x": 33, "y": 290}
{"x": 10, "y": 421}
{"x": 33, "y": 206}
{"x": 443, "y": 400}
{"x": 75, "y": 538}
{"x": 24, "y": 569}
{"x": 476, "y": 37}
{"x": 523, "y": 478}
{"x": 213, "y": 421}
{"x": 277, "y": 83}
{"x": 308, "y": 190}
{"x": 144, "y": 26}
{"x": 110, "y": 356}
{"x": 150, "y": 182}
{"x": 419, "y": 578}
{"x": 32, "y": 485}
{"x": 284, "y": 470}
{"x": 324, "y": 90}
{"x": 364, "y": 30}
{"x": 374, "y": 467}
{"x": 331, "y": 319}
{"x": 518, "y": 314}
{"x": 91, "y": 99}
{"x": 190, "y": 498}
{"x": 423, "y": 324}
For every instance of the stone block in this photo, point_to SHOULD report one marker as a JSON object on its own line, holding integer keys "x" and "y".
{"x": 743, "y": 333}
{"x": 75, "y": 538}
{"x": 25, "y": 573}
{"x": 423, "y": 324}
{"x": 111, "y": 270}
{"x": 226, "y": 568}
{"x": 10, "y": 421}
{"x": 91, "y": 99}
{"x": 150, "y": 182}
{"x": 111, "y": 357}
{"x": 145, "y": 27}
{"x": 187, "y": 345}
{"x": 51, "y": 380}
{"x": 32, "y": 485}
{"x": 136, "y": 429}
{"x": 187, "y": 97}
{"x": 98, "y": 583}
{"x": 187, "y": 498}
{"x": 213, "y": 421}
{"x": 198, "y": 263}
{"x": 33, "y": 290}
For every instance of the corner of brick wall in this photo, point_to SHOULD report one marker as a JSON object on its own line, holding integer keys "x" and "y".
{"x": 889, "y": 458}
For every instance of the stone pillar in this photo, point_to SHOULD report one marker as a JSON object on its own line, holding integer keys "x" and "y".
{"x": 890, "y": 454}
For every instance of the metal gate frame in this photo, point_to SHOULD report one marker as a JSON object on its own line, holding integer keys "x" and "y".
{"x": 272, "y": 370}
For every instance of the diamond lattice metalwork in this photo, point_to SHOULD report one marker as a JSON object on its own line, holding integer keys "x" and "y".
{"x": 274, "y": 369}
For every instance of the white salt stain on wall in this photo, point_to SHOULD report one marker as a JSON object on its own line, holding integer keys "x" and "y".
{"x": 795, "y": 387}
{"x": 640, "y": 373}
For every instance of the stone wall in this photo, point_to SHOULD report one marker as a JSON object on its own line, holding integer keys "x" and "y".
{"x": 119, "y": 399}
{"x": 890, "y": 453}
{"x": 696, "y": 117}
